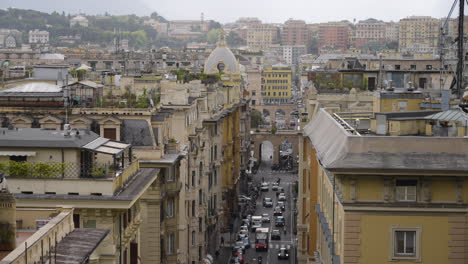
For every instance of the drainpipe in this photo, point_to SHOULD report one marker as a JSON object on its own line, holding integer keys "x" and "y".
{"x": 120, "y": 240}
{"x": 333, "y": 219}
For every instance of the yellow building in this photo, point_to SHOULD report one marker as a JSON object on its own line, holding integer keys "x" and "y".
{"x": 277, "y": 84}
{"x": 380, "y": 199}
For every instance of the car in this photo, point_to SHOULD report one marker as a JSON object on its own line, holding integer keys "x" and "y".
{"x": 240, "y": 244}
{"x": 275, "y": 186}
{"x": 243, "y": 199}
{"x": 281, "y": 205}
{"x": 277, "y": 211}
{"x": 236, "y": 251}
{"x": 283, "y": 253}
{"x": 243, "y": 233}
{"x": 275, "y": 235}
{"x": 275, "y": 167}
{"x": 280, "y": 190}
{"x": 244, "y": 227}
{"x": 245, "y": 222}
{"x": 265, "y": 218}
{"x": 279, "y": 221}
{"x": 246, "y": 242}
{"x": 255, "y": 226}
{"x": 267, "y": 202}
{"x": 282, "y": 197}
{"x": 264, "y": 187}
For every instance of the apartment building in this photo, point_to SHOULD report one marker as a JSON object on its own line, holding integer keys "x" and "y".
{"x": 38, "y": 36}
{"x": 260, "y": 36}
{"x": 369, "y": 30}
{"x": 418, "y": 34}
{"x": 379, "y": 199}
{"x": 391, "y": 31}
{"x": 294, "y": 33}
{"x": 291, "y": 54}
{"x": 334, "y": 35}
{"x": 277, "y": 84}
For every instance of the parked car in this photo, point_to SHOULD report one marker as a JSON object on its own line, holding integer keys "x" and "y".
{"x": 243, "y": 199}
{"x": 279, "y": 221}
{"x": 283, "y": 253}
{"x": 246, "y": 242}
{"x": 244, "y": 227}
{"x": 243, "y": 233}
{"x": 275, "y": 235}
{"x": 265, "y": 218}
{"x": 281, "y": 205}
{"x": 236, "y": 251}
{"x": 264, "y": 187}
{"x": 267, "y": 202}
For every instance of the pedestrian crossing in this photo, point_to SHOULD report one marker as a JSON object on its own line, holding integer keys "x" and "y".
{"x": 279, "y": 245}
{"x": 276, "y": 172}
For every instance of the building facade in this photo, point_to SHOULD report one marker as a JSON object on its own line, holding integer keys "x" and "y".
{"x": 277, "y": 84}
{"x": 334, "y": 35}
{"x": 38, "y": 36}
{"x": 260, "y": 36}
{"x": 294, "y": 33}
{"x": 418, "y": 34}
{"x": 369, "y": 30}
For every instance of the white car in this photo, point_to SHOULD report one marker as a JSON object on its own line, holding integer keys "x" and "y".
{"x": 243, "y": 233}
{"x": 282, "y": 197}
{"x": 265, "y": 218}
{"x": 243, "y": 199}
{"x": 244, "y": 227}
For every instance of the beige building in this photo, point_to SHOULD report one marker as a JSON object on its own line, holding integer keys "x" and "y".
{"x": 260, "y": 36}
{"x": 418, "y": 34}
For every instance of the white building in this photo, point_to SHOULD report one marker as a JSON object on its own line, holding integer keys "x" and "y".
{"x": 79, "y": 20}
{"x": 291, "y": 54}
{"x": 38, "y": 36}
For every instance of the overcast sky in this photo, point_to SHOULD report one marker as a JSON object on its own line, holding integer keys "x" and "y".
{"x": 277, "y": 11}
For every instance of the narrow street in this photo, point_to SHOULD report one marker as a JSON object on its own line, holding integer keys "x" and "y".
{"x": 287, "y": 238}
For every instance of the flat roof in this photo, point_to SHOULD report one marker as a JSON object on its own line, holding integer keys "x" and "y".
{"x": 42, "y": 138}
{"x": 339, "y": 150}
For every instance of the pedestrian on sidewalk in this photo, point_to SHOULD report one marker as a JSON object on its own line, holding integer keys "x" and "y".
{"x": 222, "y": 241}
{"x": 217, "y": 253}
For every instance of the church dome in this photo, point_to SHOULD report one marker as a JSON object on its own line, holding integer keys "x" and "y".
{"x": 221, "y": 59}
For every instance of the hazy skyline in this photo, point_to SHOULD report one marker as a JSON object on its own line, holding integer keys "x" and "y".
{"x": 272, "y": 11}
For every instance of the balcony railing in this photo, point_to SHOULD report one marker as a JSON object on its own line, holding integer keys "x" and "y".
{"x": 57, "y": 170}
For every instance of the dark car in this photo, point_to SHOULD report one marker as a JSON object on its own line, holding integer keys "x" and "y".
{"x": 281, "y": 206}
{"x": 275, "y": 235}
{"x": 277, "y": 211}
{"x": 280, "y": 190}
{"x": 279, "y": 221}
{"x": 283, "y": 253}
{"x": 275, "y": 167}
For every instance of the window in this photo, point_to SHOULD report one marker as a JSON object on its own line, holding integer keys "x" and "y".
{"x": 193, "y": 238}
{"x": 254, "y": 92}
{"x": 193, "y": 208}
{"x": 193, "y": 178}
{"x": 170, "y": 243}
{"x": 200, "y": 224}
{"x": 402, "y": 105}
{"x": 406, "y": 243}
{"x": 413, "y": 67}
{"x": 429, "y": 67}
{"x": 170, "y": 207}
{"x": 200, "y": 197}
{"x": 406, "y": 190}
{"x": 397, "y": 67}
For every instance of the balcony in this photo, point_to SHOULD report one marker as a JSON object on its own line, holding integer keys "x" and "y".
{"x": 49, "y": 178}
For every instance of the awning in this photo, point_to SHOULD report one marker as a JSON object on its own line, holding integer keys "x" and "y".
{"x": 106, "y": 146}
{"x": 17, "y": 153}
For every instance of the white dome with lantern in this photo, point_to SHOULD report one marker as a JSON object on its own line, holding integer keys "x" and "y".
{"x": 221, "y": 59}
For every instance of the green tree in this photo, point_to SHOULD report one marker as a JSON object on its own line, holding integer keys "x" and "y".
{"x": 213, "y": 35}
{"x": 256, "y": 119}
